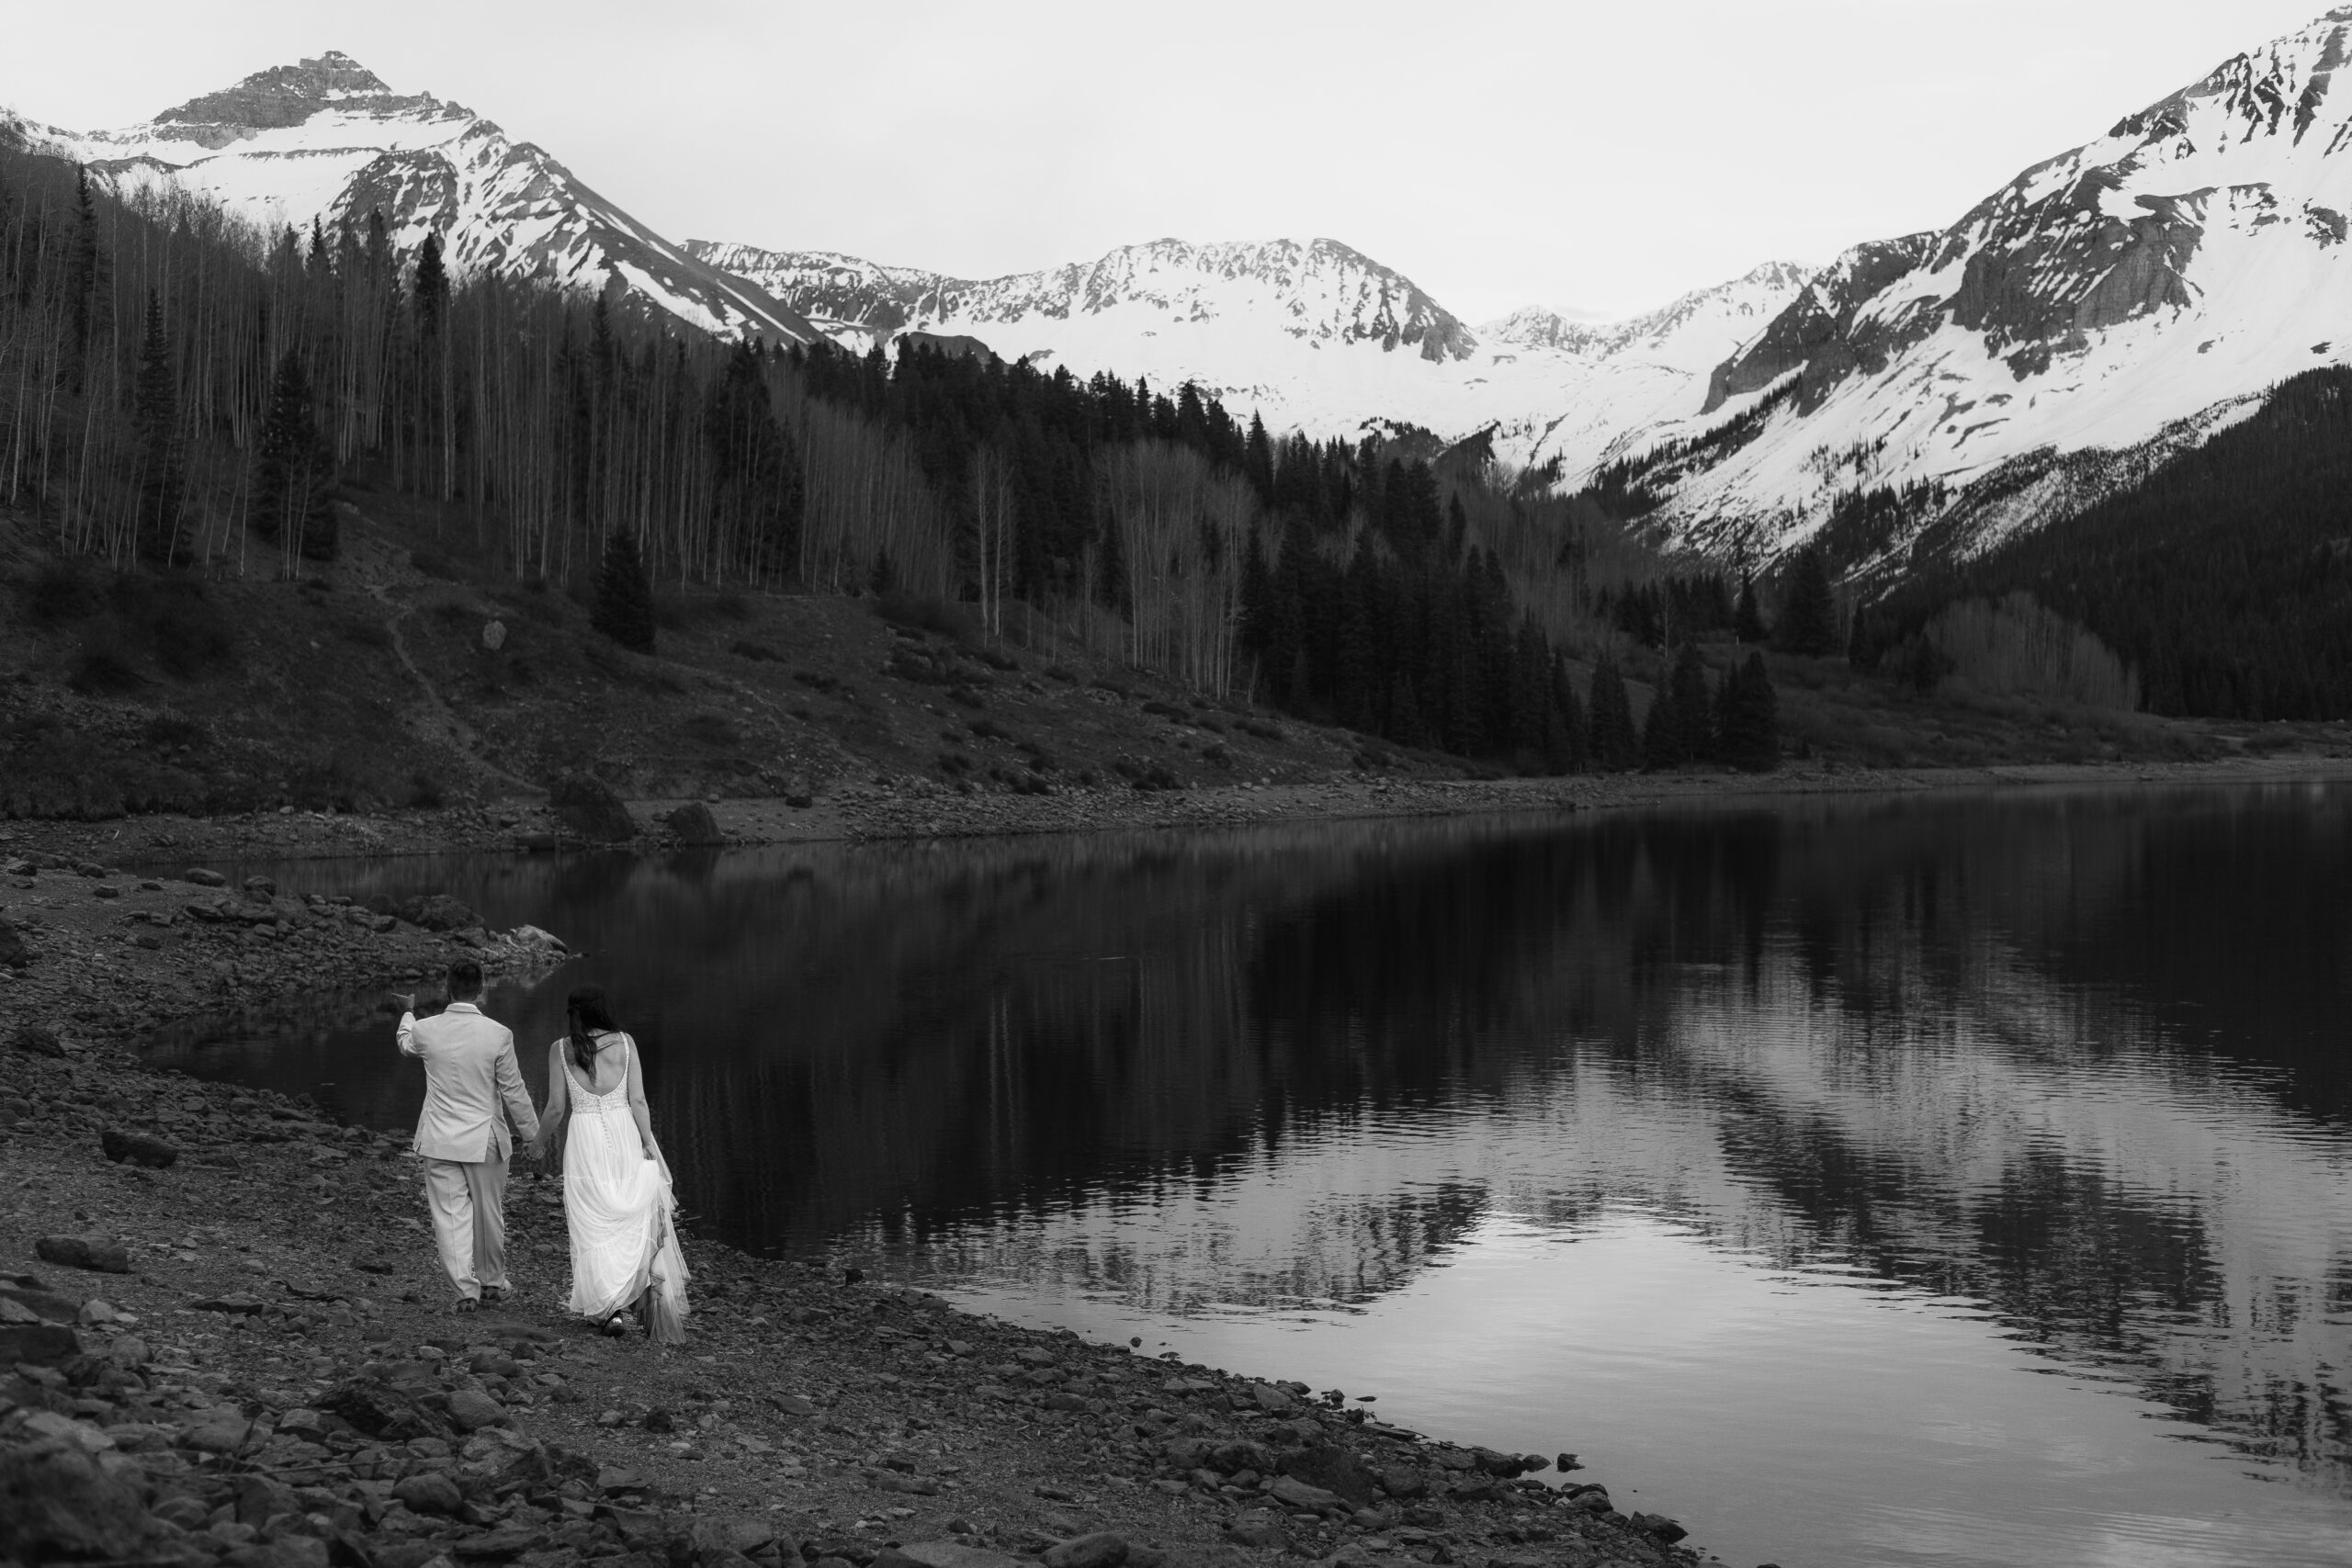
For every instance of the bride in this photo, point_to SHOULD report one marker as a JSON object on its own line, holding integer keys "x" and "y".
{"x": 617, "y": 1196}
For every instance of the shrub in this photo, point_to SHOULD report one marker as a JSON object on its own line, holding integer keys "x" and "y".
{"x": 367, "y": 634}
{"x": 433, "y": 564}
{"x": 191, "y": 636}
{"x": 425, "y": 791}
{"x": 625, "y": 610}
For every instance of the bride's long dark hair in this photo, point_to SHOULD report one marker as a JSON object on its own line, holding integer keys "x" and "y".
{"x": 588, "y": 1009}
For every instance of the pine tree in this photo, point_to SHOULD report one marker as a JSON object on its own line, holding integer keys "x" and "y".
{"x": 1677, "y": 729}
{"x": 1751, "y": 740}
{"x": 1615, "y": 744}
{"x": 155, "y": 418}
{"x": 1748, "y": 621}
{"x": 624, "y": 609}
{"x": 1809, "y": 619}
{"x": 294, "y": 467}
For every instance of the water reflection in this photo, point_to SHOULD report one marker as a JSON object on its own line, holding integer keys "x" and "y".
{"x": 2059, "y": 1074}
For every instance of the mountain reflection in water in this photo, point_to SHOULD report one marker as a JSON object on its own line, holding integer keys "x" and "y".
{"x": 2067, "y": 1064}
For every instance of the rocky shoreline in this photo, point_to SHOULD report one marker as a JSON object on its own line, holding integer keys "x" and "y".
{"x": 887, "y": 809}
{"x": 230, "y": 1346}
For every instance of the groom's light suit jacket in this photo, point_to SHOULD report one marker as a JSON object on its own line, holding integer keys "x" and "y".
{"x": 469, "y": 1069}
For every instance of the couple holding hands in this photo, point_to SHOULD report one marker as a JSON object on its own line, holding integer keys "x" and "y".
{"x": 617, "y": 1192}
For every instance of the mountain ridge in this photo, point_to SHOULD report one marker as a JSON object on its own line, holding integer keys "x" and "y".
{"x": 326, "y": 140}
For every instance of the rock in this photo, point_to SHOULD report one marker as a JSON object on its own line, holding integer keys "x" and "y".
{"x": 507, "y": 1540}
{"x": 260, "y": 888}
{"x": 1259, "y": 1530}
{"x": 1567, "y": 1463}
{"x": 470, "y": 1410}
{"x": 693, "y": 824}
{"x": 494, "y": 636}
{"x": 1334, "y": 1470}
{"x": 429, "y": 1491}
{"x": 1297, "y": 1493}
{"x": 203, "y": 878}
{"x": 794, "y": 1404}
{"x": 437, "y": 912}
{"x": 137, "y": 1148}
{"x": 307, "y": 1424}
{"x": 99, "y": 1253}
{"x": 235, "y": 1306}
{"x": 1271, "y": 1400}
{"x": 954, "y": 1554}
{"x": 1104, "y": 1549}
{"x": 589, "y": 808}
{"x": 543, "y": 940}
{"x": 658, "y": 1420}
{"x": 1658, "y": 1528}
{"x": 14, "y": 953}
{"x": 612, "y": 1479}
{"x": 1401, "y": 1483}
{"x": 34, "y": 1040}
{"x": 37, "y": 1344}
{"x": 227, "y": 1436}
{"x": 59, "y": 1504}
{"x": 130, "y": 1350}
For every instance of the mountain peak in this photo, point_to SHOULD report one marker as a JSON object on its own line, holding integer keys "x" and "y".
{"x": 281, "y": 95}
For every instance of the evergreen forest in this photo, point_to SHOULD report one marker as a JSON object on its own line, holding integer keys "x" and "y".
{"x": 179, "y": 393}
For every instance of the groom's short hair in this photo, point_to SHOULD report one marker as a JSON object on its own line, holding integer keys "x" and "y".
{"x": 465, "y": 980}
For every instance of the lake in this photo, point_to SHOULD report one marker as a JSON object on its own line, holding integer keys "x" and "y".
{"x": 1956, "y": 1180}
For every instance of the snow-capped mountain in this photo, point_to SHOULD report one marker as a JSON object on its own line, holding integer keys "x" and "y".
{"x": 2105, "y": 306}
{"x": 326, "y": 140}
{"x": 1309, "y": 334}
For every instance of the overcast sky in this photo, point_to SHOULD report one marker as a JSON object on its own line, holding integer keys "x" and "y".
{"x": 1596, "y": 157}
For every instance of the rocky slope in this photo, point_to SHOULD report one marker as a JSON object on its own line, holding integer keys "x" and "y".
{"x": 2107, "y": 305}
{"x": 326, "y": 140}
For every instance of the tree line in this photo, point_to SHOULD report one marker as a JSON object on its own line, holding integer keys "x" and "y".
{"x": 178, "y": 390}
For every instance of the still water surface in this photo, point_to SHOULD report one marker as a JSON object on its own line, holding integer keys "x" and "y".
{"x": 1951, "y": 1180}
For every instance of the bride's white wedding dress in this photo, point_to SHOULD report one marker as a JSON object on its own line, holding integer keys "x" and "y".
{"x": 618, "y": 1200}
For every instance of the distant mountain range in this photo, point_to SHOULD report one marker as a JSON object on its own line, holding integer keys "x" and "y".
{"x": 325, "y": 140}
{"x": 2106, "y": 307}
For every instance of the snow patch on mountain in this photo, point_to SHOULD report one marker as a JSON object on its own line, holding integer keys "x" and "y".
{"x": 325, "y": 140}
{"x": 1309, "y": 334}
{"x": 2138, "y": 291}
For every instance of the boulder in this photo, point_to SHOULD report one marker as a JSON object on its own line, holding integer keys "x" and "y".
{"x": 203, "y": 878}
{"x": 1296, "y": 1494}
{"x": 954, "y": 1554}
{"x": 37, "y": 1344}
{"x": 590, "y": 807}
{"x": 1335, "y": 1470}
{"x": 57, "y": 1504}
{"x": 137, "y": 1148}
{"x": 542, "y": 941}
{"x": 437, "y": 912}
{"x": 1271, "y": 1400}
{"x": 429, "y": 1491}
{"x": 100, "y": 1253}
{"x": 470, "y": 1410}
{"x": 692, "y": 824}
{"x": 1103, "y": 1549}
{"x": 13, "y": 953}
{"x": 261, "y": 889}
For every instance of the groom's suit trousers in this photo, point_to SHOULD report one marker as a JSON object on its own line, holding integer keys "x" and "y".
{"x": 468, "y": 1198}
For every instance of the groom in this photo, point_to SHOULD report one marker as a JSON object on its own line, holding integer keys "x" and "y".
{"x": 469, "y": 1068}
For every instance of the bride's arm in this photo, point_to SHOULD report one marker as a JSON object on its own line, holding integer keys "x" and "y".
{"x": 638, "y": 1111}
{"x": 559, "y": 1100}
